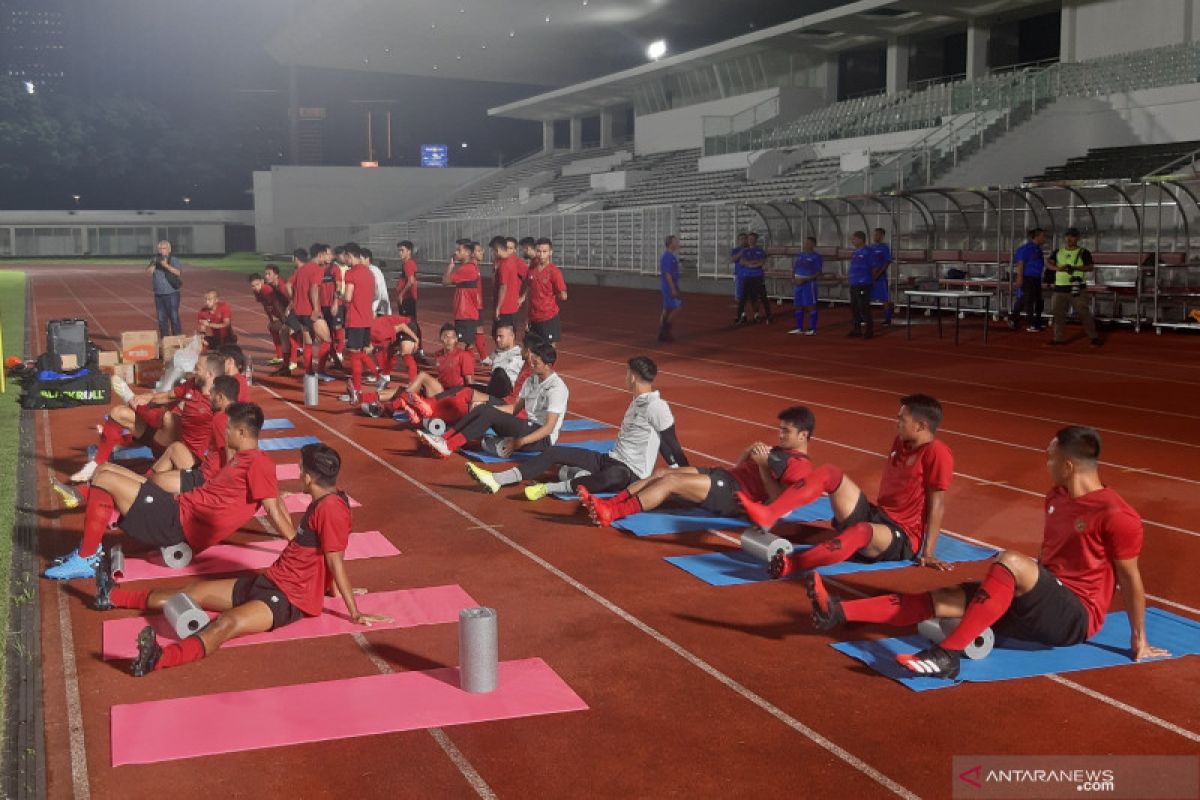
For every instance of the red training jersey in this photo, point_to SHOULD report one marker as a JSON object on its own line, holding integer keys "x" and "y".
{"x": 243, "y": 389}
{"x": 907, "y": 476}
{"x": 300, "y": 570}
{"x": 195, "y": 417}
{"x": 468, "y": 293}
{"x": 795, "y": 469}
{"x": 1082, "y": 538}
{"x": 545, "y": 284}
{"x": 383, "y": 330}
{"x": 217, "y": 316}
{"x": 455, "y": 368}
{"x": 273, "y": 301}
{"x": 361, "y": 308}
{"x": 216, "y": 457}
{"x": 406, "y": 286}
{"x": 508, "y": 275}
{"x": 302, "y": 283}
{"x": 211, "y": 513}
{"x": 331, "y": 279}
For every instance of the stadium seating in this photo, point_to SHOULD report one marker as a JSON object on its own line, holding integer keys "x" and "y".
{"x": 1121, "y": 163}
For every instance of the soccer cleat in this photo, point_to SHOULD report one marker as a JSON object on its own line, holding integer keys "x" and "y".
{"x": 419, "y": 404}
{"x": 435, "y": 443}
{"x": 54, "y": 562}
{"x": 483, "y": 478}
{"x": 325, "y": 377}
{"x": 293, "y": 366}
{"x": 372, "y": 410}
{"x": 536, "y": 491}
{"x": 795, "y": 332}
{"x": 827, "y": 611}
{"x": 351, "y": 396}
{"x": 811, "y": 332}
{"x": 932, "y": 662}
{"x": 122, "y": 389}
{"x": 382, "y": 384}
{"x": 67, "y": 495}
{"x": 85, "y": 473}
{"x": 149, "y": 652}
{"x": 74, "y": 567}
{"x": 780, "y": 566}
{"x": 274, "y": 362}
{"x": 104, "y": 584}
{"x": 601, "y": 512}
{"x": 1035, "y": 330}
{"x": 585, "y": 498}
{"x": 284, "y": 371}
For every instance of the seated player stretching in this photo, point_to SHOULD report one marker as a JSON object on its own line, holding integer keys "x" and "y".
{"x": 902, "y": 525}
{"x": 214, "y": 321}
{"x": 181, "y": 469}
{"x": 201, "y": 518}
{"x": 393, "y": 335}
{"x": 292, "y": 588}
{"x": 647, "y": 430}
{"x": 1090, "y": 545}
{"x": 543, "y": 398}
{"x": 761, "y": 473}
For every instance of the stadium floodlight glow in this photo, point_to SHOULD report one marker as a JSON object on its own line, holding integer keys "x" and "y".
{"x": 656, "y": 50}
{"x": 29, "y": 87}
{"x": 464, "y": 145}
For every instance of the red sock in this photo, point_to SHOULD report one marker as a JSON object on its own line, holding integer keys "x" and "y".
{"x": 278, "y": 340}
{"x": 621, "y": 496}
{"x": 991, "y": 600}
{"x": 339, "y": 339}
{"x": 110, "y": 436}
{"x": 890, "y": 609}
{"x": 322, "y": 356}
{"x": 834, "y": 551}
{"x": 99, "y": 511}
{"x": 626, "y": 506}
{"x": 356, "y": 369}
{"x": 410, "y": 364}
{"x": 85, "y": 491}
{"x": 481, "y": 345}
{"x": 822, "y": 480}
{"x": 455, "y": 440}
{"x": 297, "y": 345}
{"x": 128, "y": 598}
{"x": 176, "y": 655}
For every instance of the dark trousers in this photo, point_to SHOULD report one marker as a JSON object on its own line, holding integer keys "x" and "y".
{"x": 860, "y": 307}
{"x": 1031, "y": 301}
{"x": 476, "y": 423}
{"x": 608, "y": 474}
{"x": 166, "y": 306}
{"x": 754, "y": 290}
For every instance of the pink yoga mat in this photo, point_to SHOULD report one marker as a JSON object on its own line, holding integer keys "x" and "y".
{"x": 297, "y": 502}
{"x": 408, "y": 608}
{"x": 165, "y": 730}
{"x": 287, "y": 472}
{"x": 251, "y": 555}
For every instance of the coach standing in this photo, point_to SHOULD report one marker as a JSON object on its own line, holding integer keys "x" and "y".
{"x": 167, "y": 278}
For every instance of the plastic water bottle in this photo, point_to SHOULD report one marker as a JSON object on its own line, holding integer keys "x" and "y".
{"x": 248, "y": 372}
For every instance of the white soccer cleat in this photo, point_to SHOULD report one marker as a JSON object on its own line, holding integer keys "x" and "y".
{"x": 85, "y": 473}
{"x": 122, "y": 388}
{"x": 435, "y": 443}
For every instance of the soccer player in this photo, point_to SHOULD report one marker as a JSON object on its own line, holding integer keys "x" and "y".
{"x": 739, "y": 275}
{"x": 306, "y": 302}
{"x": 507, "y": 282}
{"x": 333, "y": 309}
{"x": 761, "y": 473}
{"x": 359, "y": 299}
{"x": 859, "y": 277}
{"x": 180, "y": 468}
{"x": 647, "y": 431}
{"x": 275, "y": 306}
{"x": 292, "y": 588}
{"x": 806, "y": 271}
{"x": 544, "y": 288}
{"x": 1090, "y": 546}
{"x": 905, "y": 521}
{"x": 201, "y": 518}
{"x": 393, "y": 335}
{"x": 754, "y": 282}
{"x": 668, "y": 270}
{"x": 881, "y": 259}
{"x": 382, "y": 300}
{"x": 406, "y": 283}
{"x": 528, "y": 248}
{"x": 543, "y": 398}
{"x": 235, "y": 367}
{"x": 463, "y": 274}
{"x": 214, "y": 321}
{"x": 1029, "y": 264}
{"x": 455, "y": 366}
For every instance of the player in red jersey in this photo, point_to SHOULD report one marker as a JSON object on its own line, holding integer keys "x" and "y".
{"x": 507, "y": 281}
{"x": 455, "y": 369}
{"x": 1090, "y": 546}
{"x": 292, "y": 588}
{"x": 201, "y": 518}
{"x": 761, "y": 473}
{"x": 275, "y": 306}
{"x": 393, "y": 335}
{"x": 906, "y": 519}
{"x": 214, "y": 321}
{"x": 406, "y": 283}
{"x": 180, "y": 468}
{"x": 359, "y": 300}
{"x": 544, "y": 287}
{"x": 528, "y": 248}
{"x": 463, "y": 274}
{"x": 306, "y": 302}
{"x": 333, "y": 309}
{"x": 235, "y": 367}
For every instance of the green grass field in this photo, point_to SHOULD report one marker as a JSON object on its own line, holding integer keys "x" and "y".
{"x": 12, "y": 315}
{"x": 234, "y": 262}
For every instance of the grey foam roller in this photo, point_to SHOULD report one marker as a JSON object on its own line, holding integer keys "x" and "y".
{"x": 938, "y": 628}
{"x": 763, "y": 545}
{"x": 312, "y": 395}
{"x": 184, "y": 616}
{"x": 435, "y": 426}
{"x": 177, "y": 556}
{"x": 116, "y": 562}
{"x": 478, "y": 658}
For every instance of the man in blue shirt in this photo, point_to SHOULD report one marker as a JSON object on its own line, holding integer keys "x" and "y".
{"x": 881, "y": 259}
{"x": 754, "y": 284}
{"x": 1028, "y": 265}
{"x": 668, "y": 271}
{"x": 735, "y": 255}
{"x": 861, "y": 278}
{"x": 806, "y": 270}
{"x": 165, "y": 271}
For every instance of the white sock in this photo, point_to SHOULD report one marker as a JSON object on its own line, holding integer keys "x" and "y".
{"x": 559, "y": 487}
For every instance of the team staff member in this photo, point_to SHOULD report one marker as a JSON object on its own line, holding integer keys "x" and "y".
{"x": 1029, "y": 264}
{"x": 544, "y": 288}
{"x": 881, "y": 259}
{"x": 1090, "y": 546}
{"x": 291, "y": 588}
{"x": 668, "y": 270}
{"x": 739, "y": 273}
{"x": 214, "y": 322}
{"x": 754, "y": 282}
{"x": 275, "y": 306}
{"x": 906, "y": 519}
{"x": 806, "y": 271}
{"x": 860, "y": 279}
{"x": 463, "y": 274}
{"x": 166, "y": 271}
{"x": 1071, "y": 265}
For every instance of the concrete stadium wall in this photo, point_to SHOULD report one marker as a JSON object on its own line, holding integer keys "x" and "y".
{"x": 1095, "y": 28}
{"x": 683, "y": 128}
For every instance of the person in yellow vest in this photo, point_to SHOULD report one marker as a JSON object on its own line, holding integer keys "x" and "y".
{"x": 1071, "y": 264}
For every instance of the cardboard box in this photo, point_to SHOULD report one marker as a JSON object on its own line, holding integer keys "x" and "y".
{"x": 109, "y": 358}
{"x": 172, "y": 343}
{"x": 148, "y": 372}
{"x": 125, "y": 371}
{"x": 139, "y": 346}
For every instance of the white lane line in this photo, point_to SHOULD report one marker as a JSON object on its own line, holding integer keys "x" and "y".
{"x": 1128, "y": 709}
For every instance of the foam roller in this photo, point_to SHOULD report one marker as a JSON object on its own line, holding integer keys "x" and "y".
{"x": 763, "y": 545}
{"x": 177, "y": 556}
{"x": 184, "y": 616}
{"x": 938, "y": 628}
{"x": 477, "y": 652}
{"x": 116, "y": 563}
{"x": 434, "y": 426}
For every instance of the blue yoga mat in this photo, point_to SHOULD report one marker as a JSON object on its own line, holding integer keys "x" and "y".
{"x": 596, "y": 445}
{"x": 278, "y": 425}
{"x": 658, "y": 523}
{"x": 132, "y": 454}
{"x": 286, "y": 443}
{"x": 735, "y": 567}
{"x": 1016, "y": 659}
{"x": 572, "y": 498}
{"x": 576, "y": 425}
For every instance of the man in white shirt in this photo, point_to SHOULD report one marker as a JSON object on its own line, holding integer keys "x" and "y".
{"x": 543, "y": 397}
{"x": 647, "y": 430}
{"x": 383, "y": 303}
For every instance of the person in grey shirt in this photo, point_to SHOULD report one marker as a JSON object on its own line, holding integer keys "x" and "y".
{"x": 166, "y": 273}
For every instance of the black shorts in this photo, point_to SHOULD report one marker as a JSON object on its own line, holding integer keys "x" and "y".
{"x": 334, "y": 321}
{"x": 259, "y": 587}
{"x": 154, "y": 518}
{"x": 548, "y": 329}
{"x": 190, "y": 479}
{"x": 865, "y": 511}
{"x": 358, "y": 338}
{"x": 504, "y": 319}
{"x": 721, "y": 499}
{"x": 408, "y": 308}
{"x": 306, "y": 325}
{"x": 293, "y": 323}
{"x": 1050, "y": 614}
{"x": 465, "y": 329}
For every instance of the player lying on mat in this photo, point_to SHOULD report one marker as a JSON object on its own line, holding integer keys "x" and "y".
{"x": 180, "y": 468}
{"x": 904, "y": 522}
{"x": 292, "y": 588}
{"x": 201, "y": 518}
{"x": 1090, "y": 544}
{"x": 761, "y": 472}
{"x": 647, "y": 430}
{"x": 455, "y": 367}
{"x": 543, "y": 398}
